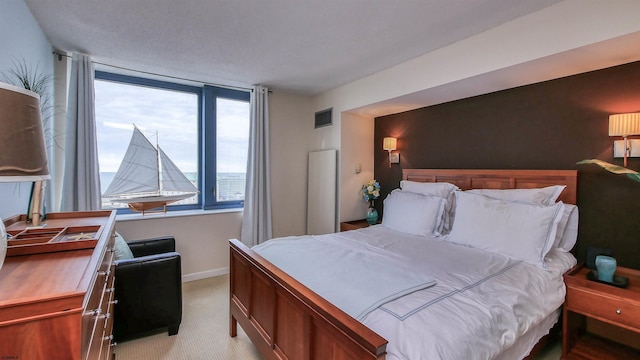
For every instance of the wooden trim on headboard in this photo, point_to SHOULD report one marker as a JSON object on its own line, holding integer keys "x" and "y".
{"x": 467, "y": 179}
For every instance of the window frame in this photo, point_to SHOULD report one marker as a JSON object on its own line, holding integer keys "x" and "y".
{"x": 207, "y": 125}
{"x": 209, "y": 122}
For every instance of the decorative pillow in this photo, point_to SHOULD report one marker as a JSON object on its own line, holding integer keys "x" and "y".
{"x": 413, "y": 213}
{"x": 441, "y": 189}
{"x": 519, "y": 230}
{"x": 545, "y": 196}
{"x": 122, "y": 248}
{"x": 567, "y": 234}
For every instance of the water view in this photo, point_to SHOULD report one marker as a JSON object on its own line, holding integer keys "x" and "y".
{"x": 230, "y": 187}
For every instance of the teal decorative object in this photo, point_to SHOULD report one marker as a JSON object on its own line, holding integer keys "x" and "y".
{"x": 606, "y": 267}
{"x": 372, "y": 215}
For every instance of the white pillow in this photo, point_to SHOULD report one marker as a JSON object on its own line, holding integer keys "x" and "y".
{"x": 441, "y": 189}
{"x": 545, "y": 196}
{"x": 413, "y": 213}
{"x": 519, "y": 230}
{"x": 567, "y": 233}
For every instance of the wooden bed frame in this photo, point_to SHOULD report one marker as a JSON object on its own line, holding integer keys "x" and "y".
{"x": 286, "y": 320}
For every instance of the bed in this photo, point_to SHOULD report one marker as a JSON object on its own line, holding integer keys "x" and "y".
{"x": 287, "y": 320}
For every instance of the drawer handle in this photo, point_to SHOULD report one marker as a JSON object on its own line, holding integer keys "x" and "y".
{"x": 104, "y": 273}
{"x": 105, "y": 316}
{"x": 108, "y": 338}
{"x": 95, "y": 312}
{"x": 114, "y": 344}
{"x": 114, "y": 302}
{"x": 619, "y": 311}
{"x": 111, "y": 289}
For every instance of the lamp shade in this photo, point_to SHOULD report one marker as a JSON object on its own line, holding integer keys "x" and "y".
{"x": 23, "y": 155}
{"x": 624, "y": 124}
{"x": 389, "y": 143}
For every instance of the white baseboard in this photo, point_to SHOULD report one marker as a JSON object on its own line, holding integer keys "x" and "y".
{"x": 204, "y": 274}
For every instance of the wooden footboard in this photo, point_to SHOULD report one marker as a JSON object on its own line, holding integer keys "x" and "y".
{"x": 286, "y": 320}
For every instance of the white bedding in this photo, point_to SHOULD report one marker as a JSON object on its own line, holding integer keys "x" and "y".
{"x": 357, "y": 286}
{"x": 481, "y": 304}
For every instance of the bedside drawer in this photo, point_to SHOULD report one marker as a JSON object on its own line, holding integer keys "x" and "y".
{"x": 609, "y": 309}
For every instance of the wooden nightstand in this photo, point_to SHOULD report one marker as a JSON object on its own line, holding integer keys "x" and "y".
{"x": 609, "y": 304}
{"x": 353, "y": 225}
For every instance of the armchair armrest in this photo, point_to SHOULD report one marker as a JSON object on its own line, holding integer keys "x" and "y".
{"x": 152, "y": 246}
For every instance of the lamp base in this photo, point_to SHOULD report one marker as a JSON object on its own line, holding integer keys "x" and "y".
{"x": 35, "y": 203}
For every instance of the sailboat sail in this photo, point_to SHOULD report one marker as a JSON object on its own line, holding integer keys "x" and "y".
{"x": 147, "y": 175}
{"x": 172, "y": 178}
{"x": 138, "y": 172}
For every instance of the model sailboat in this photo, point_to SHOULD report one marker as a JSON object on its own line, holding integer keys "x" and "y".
{"x": 147, "y": 178}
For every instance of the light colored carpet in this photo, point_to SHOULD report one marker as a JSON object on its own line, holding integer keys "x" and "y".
{"x": 204, "y": 333}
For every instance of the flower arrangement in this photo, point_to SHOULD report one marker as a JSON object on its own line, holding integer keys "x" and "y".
{"x": 371, "y": 190}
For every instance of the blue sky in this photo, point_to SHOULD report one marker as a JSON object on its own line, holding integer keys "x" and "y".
{"x": 173, "y": 115}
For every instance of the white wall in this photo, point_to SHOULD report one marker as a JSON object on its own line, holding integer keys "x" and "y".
{"x": 21, "y": 38}
{"x": 357, "y": 147}
{"x": 291, "y": 123}
{"x": 201, "y": 240}
{"x": 560, "y": 40}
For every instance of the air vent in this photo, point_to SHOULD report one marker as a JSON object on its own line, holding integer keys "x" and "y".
{"x": 323, "y": 118}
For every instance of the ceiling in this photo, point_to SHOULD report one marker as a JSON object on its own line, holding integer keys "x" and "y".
{"x": 299, "y": 46}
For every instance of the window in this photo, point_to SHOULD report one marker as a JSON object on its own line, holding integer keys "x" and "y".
{"x": 204, "y": 132}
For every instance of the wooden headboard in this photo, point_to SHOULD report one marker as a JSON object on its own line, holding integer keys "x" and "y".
{"x": 500, "y": 179}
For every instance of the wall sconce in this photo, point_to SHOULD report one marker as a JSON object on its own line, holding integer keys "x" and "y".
{"x": 389, "y": 144}
{"x": 624, "y": 125}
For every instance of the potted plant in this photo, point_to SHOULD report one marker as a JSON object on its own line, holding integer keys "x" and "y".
{"x": 616, "y": 169}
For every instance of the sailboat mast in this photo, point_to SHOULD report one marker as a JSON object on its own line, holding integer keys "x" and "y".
{"x": 159, "y": 164}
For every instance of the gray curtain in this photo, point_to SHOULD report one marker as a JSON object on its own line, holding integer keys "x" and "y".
{"x": 256, "y": 222}
{"x": 81, "y": 181}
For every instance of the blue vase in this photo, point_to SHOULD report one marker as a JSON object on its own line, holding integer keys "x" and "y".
{"x": 606, "y": 267}
{"x": 372, "y": 215}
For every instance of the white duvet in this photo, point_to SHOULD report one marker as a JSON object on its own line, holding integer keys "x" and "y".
{"x": 357, "y": 285}
{"x": 481, "y": 304}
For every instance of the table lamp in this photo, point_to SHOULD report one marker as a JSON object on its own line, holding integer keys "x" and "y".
{"x": 23, "y": 155}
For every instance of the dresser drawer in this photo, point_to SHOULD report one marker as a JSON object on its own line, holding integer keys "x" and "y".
{"x": 99, "y": 310}
{"x": 98, "y": 334}
{"x": 107, "y": 338}
{"x": 92, "y": 311}
{"x": 608, "y": 308}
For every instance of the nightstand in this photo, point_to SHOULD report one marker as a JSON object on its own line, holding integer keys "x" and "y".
{"x": 606, "y": 303}
{"x": 353, "y": 225}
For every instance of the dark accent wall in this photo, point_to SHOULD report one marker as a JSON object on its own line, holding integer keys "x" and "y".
{"x": 548, "y": 125}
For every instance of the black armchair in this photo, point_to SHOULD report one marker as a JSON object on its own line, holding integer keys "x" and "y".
{"x": 148, "y": 289}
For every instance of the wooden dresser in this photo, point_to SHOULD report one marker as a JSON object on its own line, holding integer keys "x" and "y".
{"x": 56, "y": 296}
